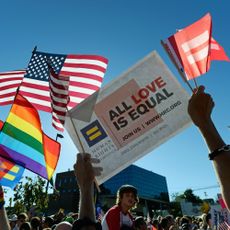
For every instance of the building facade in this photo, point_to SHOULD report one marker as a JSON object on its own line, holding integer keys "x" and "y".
{"x": 152, "y": 190}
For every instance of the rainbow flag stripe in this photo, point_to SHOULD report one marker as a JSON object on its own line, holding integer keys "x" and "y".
{"x": 22, "y": 140}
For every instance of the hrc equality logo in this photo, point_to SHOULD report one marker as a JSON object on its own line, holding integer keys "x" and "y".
{"x": 93, "y": 133}
{"x": 10, "y": 173}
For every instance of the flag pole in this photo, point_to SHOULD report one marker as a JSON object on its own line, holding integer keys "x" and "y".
{"x": 195, "y": 83}
{"x": 82, "y": 147}
{"x": 75, "y": 130}
{"x": 181, "y": 72}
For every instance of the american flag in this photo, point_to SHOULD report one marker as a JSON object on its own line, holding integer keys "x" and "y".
{"x": 193, "y": 48}
{"x": 53, "y": 81}
{"x": 223, "y": 226}
{"x": 9, "y": 82}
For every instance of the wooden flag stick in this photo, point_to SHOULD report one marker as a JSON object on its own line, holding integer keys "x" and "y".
{"x": 82, "y": 147}
{"x": 181, "y": 72}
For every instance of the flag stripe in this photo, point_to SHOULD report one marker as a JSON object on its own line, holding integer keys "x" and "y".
{"x": 25, "y": 126}
{"x": 22, "y": 149}
{"x": 52, "y": 152}
{"x": 198, "y": 56}
{"x": 29, "y": 163}
{"x": 83, "y": 85}
{"x": 76, "y": 71}
{"x": 23, "y": 137}
{"x": 74, "y": 80}
{"x": 9, "y": 82}
{"x": 83, "y": 75}
{"x": 85, "y": 66}
{"x": 195, "y": 42}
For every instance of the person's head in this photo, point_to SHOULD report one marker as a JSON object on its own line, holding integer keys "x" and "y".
{"x": 186, "y": 223}
{"x": 155, "y": 223}
{"x": 63, "y": 226}
{"x": 35, "y": 222}
{"x": 86, "y": 224}
{"x": 13, "y": 220}
{"x": 164, "y": 223}
{"x": 22, "y": 218}
{"x": 139, "y": 223}
{"x": 25, "y": 226}
{"x": 48, "y": 222}
{"x": 209, "y": 219}
{"x": 170, "y": 220}
{"x": 127, "y": 196}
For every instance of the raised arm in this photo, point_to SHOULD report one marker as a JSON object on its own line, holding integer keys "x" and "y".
{"x": 85, "y": 174}
{"x": 4, "y": 223}
{"x": 200, "y": 109}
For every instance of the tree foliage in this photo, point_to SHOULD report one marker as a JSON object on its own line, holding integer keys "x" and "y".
{"x": 188, "y": 196}
{"x": 30, "y": 193}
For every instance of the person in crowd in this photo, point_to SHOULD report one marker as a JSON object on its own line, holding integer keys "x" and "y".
{"x": 25, "y": 226}
{"x": 35, "y": 223}
{"x": 22, "y": 218}
{"x": 4, "y": 223}
{"x": 64, "y": 225}
{"x": 155, "y": 224}
{"x": 13, "y": 221}
{"x": 185, "y": 223}
{"x": 85, "y": 174}
{"x": 164, "y": 224}
{"x": 200, "y": 108}
{"x": 206, "y": 222}
{"x": 139, "y": 223}
{"x": 120, "y": 215}
{"x": 171, "y": 222}
{"x": 48, "y": 222}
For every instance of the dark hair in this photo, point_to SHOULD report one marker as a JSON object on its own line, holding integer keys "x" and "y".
{"x": 85, "y": 222}
{"x": 208, "y": 217}
{"x": 164, "y": 222}
{"x": 25, "y": 226}
{"x": 23, "y": 216}
{"x": 35, "y": 222}
{"x": 125, "y": 227}
{"x": 139, "y": 221}
{"x": 49, "y": 221}
{"x": 126, "y": 189}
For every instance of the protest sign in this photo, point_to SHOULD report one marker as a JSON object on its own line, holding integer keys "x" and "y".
{"x": 132, "y": 116}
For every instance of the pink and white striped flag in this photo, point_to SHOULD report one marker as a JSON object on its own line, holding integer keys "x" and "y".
{"x": 193, "y": 48}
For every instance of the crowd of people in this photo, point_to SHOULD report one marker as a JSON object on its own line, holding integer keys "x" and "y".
{"x": 67, "y": 222}
{"x": 119, "y": 216}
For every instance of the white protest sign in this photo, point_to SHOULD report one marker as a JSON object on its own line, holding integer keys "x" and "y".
{"x": 132, "y": 116}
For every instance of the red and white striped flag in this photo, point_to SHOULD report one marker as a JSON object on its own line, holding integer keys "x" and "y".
{"x": 74, "y": 78}
{"x": 9, "y": 83}
{"x": 193, "y": 48}
{"x": 223, "y": 226}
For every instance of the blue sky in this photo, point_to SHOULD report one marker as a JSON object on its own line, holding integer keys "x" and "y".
{"x": 124, "y": 31}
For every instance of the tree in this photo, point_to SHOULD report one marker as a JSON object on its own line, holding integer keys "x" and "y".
{"x": 187, "y": 196}
{"x": 29, "y": 194}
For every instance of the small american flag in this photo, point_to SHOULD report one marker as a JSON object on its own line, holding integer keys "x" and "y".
{"x": 223, "y": 226}
{"x": 54, "y": 82}
{"x": 9, "y": 82}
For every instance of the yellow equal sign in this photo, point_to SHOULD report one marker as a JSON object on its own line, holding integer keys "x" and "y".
{"x": 93, "y": 133}
{"x": 9, "y": 176}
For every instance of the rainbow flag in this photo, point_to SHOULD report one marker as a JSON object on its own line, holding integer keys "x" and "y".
{"x": 52, "y": 152}
{"x": 10, "y": 173}
{"x": 22, "y": 140}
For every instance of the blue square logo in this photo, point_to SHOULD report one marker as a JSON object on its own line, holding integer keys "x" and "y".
{"x": 93, "y": 133}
